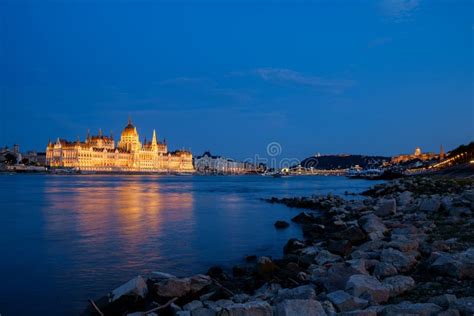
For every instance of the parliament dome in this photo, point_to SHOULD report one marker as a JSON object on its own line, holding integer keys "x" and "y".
{"x": 130, "y": 130}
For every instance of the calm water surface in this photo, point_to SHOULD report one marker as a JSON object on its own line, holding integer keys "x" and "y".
{"x": 65, "y": 239}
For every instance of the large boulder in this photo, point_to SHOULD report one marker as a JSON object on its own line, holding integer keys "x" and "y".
{"x": 340, "y": 247}
{"x": 325, "y": 256}
{"x": 281, "y": 224}
{"x": 254, "y": 308}
{"x": 333, "y": 278}
{"x": 408, "y": 308}
{"x": 373, "y": 226}
{"x": 458, "y": 265}
{"x": 404, "y": 243}
{"x": 367, "y": 287}
{"x": 199, "y": 281}
{"x": 405, "y": 198}
{"x": 359, "y": 312}
{"x": 300, "y": 292}
{"x": 265, "y": 266}
{"x": 398, "y": 284}
{"x": 430, "y": 205}
{"x": 465, "y": 305}
{"x": 175, "y": 287}
{"x": 267, "y": 291}
{"x": 402, "y": 261}
{"x": 293, "y": 245}
{"x": 385, "y": 207}
{"x": 444, "y": 300}
{"x": 192, "y": 305}
{"x": 135, "y": 287}
{"x": 304, "y": 218}
{"x": 299, "y": 307}
{"x": 352, "y": 233}
{"x": 383, "y": 269}
{"x": 345, "y": 302}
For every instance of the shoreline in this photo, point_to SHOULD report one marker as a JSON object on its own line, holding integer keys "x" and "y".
{"x": 407, "y": 248}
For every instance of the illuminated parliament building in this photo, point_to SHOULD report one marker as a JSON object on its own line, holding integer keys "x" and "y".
{"x": 99, "y": 153}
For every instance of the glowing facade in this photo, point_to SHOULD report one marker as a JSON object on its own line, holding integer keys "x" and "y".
{"x": 418, "y": 155}
{"x": 99, "y": 153}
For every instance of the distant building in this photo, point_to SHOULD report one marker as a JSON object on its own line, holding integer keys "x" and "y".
{"x": 416, "y": 155}
{"x": 98, "y": 153}
{"x": 208, "y": 163}
{"x": 10, "y": 156}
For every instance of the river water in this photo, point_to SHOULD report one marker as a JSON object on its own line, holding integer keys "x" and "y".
{"x": 64, "y": 239}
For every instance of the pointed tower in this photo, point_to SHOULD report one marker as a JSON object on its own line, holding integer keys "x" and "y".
{"x": 154, "y": 143}
{"x": 441, "y": 153}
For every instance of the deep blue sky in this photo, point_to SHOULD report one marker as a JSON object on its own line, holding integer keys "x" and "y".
{"x": 370, "y": 77}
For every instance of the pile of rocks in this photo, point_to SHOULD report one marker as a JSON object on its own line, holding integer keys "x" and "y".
{"x": 407, "y": 249}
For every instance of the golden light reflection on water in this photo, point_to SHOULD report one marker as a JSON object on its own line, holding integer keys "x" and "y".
{"x": 129, "y": 210}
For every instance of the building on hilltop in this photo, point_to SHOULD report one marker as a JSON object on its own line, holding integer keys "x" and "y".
{"x": 418, "y": 155}
{"x": 99, "y": 153}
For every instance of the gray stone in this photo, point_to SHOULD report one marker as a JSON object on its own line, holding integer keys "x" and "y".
{"x": 206, "y": 296}
{"x": 136, "y": 286}
{"x": 398, "y": 284}
{"x": 360, "y": 265}
{"x": 334, "y": 278}
{"x": 449, "y": 312}
{"x": 240, "y": 298}
{"x": 465, "y": 305}
{"x": 192, "y": 305}
{"x": 158, "y": 275}
{"x": 224, "y": 303}
{"x": 183, "y": 313}
{"x": 385, "y": 207}
{"x": 175, "y": 287}
{"x": 265, "y": 266}
{"x": 359, "y": 312}
{"x": 443, "y": 300}
{"x": 468, "y": 195}
{"x": 268, "y": 290}
{"x": 408, "y": 308}
{"x": 367, "y": 287}
{"x": 212, "y": 306}
{"x": 402, "y": 261}
{"x": 300, "y": 292}
{"x": 430, "y": 205}
{"x": 373, "y": 226}
{"x": 456, "y": 265}
{"x": 328, "y": 308}
{"x": 405, "y": 198}
{"x": 345, "y": 302}
{"x": 255, "y": 308}
{"x": 459, "y": 211}
{"x": 203, "y": 312}
{"x": 383, "y": 269}
{"x": 404, "y": 243}
{"x": 325, "y": 256}
{"x": 199, "y": 281}
{"x": 299, "y": 307}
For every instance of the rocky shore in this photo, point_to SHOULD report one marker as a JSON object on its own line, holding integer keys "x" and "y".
{"x": 407, "y": 248}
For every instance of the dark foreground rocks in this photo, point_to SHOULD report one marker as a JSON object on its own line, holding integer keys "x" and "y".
{"x": 406, "y": 249}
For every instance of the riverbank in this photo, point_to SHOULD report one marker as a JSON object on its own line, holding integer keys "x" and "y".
{"x": 408, "y": 248}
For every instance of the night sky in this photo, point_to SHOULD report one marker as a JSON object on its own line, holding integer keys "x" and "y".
{"x": 368, "y": 77}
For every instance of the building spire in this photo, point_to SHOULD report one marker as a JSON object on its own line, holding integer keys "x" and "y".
{"x": 153, "y": 139}
{"x": 100, "y": 132}
{"x": 129, "y": 119}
